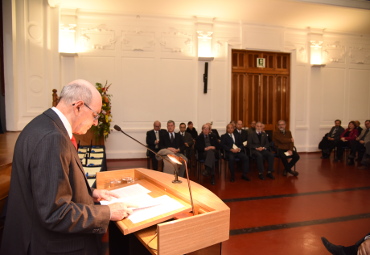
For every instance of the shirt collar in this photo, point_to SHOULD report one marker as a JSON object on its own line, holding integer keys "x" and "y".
{"x": 64, "y": 120}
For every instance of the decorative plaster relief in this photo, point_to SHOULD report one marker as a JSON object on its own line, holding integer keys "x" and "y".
{"x": 138, "y": 41}
{"x": 359, "y": 55}
{"x": 334, "y": 52}
{"x": 98, "y": 37}
{"x": 175, "y": 41}
{"x": 36, "y": 84}
{"x": 34, "y": 32}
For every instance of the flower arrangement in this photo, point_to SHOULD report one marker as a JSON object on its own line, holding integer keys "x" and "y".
{"x": 103, "y": 127}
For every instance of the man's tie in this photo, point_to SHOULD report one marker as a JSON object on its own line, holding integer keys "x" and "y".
{"x": 171, "y": 137}
{"x": 157, "y": 138}
{"x": 74, "y": 142}
{"x": 232, "y": 137}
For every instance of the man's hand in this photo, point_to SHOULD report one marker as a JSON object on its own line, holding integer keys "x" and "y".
{"x": 364, "y": 248}
{"x": 235, "y": 150}
{"x": 103, "y": 194}
{"x": 119, "y": 211}
{"x": 209, "y": 148}
{"x": 290, "y": 153}
{"x": 260, "y": 148}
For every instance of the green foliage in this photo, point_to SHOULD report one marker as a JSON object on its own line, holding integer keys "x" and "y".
{"x": 103, "y": 127}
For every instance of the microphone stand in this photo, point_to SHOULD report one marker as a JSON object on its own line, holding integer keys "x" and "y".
{"x": 177, "y": 160}
{"x": 118, "y": 128}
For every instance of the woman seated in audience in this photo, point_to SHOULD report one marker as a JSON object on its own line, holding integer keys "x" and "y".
{"x": 349, "y": 134}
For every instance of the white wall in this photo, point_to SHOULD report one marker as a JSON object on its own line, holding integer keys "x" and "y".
{"x": 155, "y": 74}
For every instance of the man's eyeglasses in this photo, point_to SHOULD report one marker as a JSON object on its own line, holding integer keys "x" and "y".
{"x": 96, "y": 115}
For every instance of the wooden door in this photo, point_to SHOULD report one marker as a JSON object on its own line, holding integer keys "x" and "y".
{"x": 260, "y": 94}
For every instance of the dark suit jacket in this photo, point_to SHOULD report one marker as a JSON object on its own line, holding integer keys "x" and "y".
{"x": 50, "y": 206}
{"x": 165, "y": 142}
{"x": 254, "y": 142}
{"x": 243, "y": 135}
{"x": 150, "y": 138}
{"x": 187, "y": 138}
{"x": 227, "y": 142}
{"x": 200, "y": 144}
{"x": 337, "y": 134}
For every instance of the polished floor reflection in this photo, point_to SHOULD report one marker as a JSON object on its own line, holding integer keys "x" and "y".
{"x": 288, "y": 215}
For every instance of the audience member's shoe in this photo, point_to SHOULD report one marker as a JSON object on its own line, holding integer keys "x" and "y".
{"x": 285, "y": 173}
{"x": 261, "y": 176}
{"x": 294, "y": 173}
{"x": 213, "y": 180}
{"x": 245, "y": 178}
{"x": 269, "y": 175}
{"x": 332, "y": 248}
{"x": 325, "y": 156}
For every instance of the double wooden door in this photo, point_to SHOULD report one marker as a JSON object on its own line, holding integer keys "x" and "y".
{"x": 260, "y": 93}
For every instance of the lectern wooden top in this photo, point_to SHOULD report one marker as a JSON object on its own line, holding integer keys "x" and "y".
{"x": 209, "y": 225}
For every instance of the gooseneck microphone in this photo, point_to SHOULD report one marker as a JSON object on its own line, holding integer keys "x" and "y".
{"x": 118, "y": 128}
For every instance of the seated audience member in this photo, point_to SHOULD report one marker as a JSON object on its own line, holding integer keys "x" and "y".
{"x": 361, "y": 247}
{"x": 243, "y": 133}
{"x": 214, "y": 132}
{"x": 348, "y": 135}
{"x": 233, "y": 123}
{"x": 191, "y": 130}
{"x": 330, "y": 140}
{"x": 284, "y": 143}
{"x": 232, "y": 144}
{"x": 252, "y": 126}
{"x": 172, "y": 143}
{"x": 358, "y": 126}
{"x": 152, "y": 140}
{"x": 187, "y": 138}
{"x": 258, "y": 144}
{"x": 207, "y": 146}
{"x": 358, "y": 145}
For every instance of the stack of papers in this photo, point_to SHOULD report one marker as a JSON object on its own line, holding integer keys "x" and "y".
{"x": 143, "y": 205}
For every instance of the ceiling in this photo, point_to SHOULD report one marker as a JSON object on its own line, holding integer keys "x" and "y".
{"x": 317, "y": 14}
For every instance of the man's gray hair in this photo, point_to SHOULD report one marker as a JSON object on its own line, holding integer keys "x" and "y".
{"x": 74, "y": 92}
{"x": 171, "y": 121}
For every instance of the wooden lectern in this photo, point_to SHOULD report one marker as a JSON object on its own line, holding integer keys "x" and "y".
{"x": 174, "y": 233}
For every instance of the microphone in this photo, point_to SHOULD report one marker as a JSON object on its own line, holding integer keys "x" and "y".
{"x": 118, "y": 128}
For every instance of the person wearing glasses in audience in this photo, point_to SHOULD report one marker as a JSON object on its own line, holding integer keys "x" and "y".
{"x": 51, "y": 208}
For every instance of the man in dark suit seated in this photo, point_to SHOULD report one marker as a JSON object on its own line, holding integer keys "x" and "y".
{"x": 284, "y": 144}
{"x": 51, "y": 208}
{"x": 188, "y": 140}
{"x": 207, "y": 146}
{"x": 152, "y": 140}
{"x": 259, "y": 145}
{"x": 243, "y": 133}
{"x": 330, "y": 140}
{"x": 232, "y": 144}
{"x": 172, "y": 143}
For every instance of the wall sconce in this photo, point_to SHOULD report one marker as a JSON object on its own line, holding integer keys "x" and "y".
{"x": 205, "y": 46}
{"x": 67, "y": 33}
{"x": 67, "y": 39}
{"x": 316, "y": 53}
